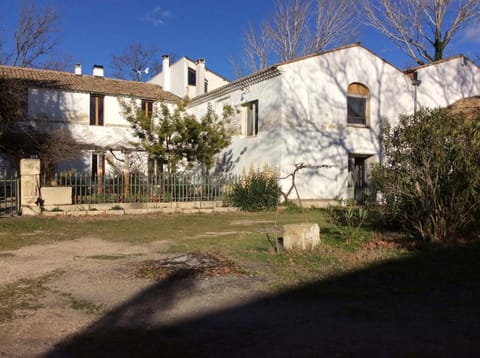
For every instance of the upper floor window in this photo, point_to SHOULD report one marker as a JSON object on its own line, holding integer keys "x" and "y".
{"x": 250, "y": 110}
{"x": 192, "y": 77}
{"x": 147, "y": 108}
{"x": 96, "y": 110}
{"x": 206, "y": 86}
{"x": 357, "y": 104}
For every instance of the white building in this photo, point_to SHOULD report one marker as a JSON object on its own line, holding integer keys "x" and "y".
{"x": 326, "y": 110}
{"x": 187, "y": 77}
{"x": 323, "y": 110}
{"x": 88, "y": 108}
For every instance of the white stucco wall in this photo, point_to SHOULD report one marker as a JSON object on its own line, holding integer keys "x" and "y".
{"x": 303, "y": 114}
{"x": 447, "y": 81}
{"x": 258, "y": 150}
{"x": 55, "y": 109}
{"x": 315, "y": 112}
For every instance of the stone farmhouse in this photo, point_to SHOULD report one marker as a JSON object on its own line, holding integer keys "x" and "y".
{"x": 323, "y": 110}
{"x": 326, "y": 111}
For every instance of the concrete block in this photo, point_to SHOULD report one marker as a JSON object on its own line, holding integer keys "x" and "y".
{"x": 225, "y": 209}
{"x": 53, "y": 213}
{"x": 96, "y": 212}
{"x": 169, "y": 210}
{"x": 57, "y": 195}
{"x": 136, "y": 211}
{"x": 300, "y": 236}
{"x": 155, "y": 210}
{"x": 76, "y": 213}
{"x": 115, "y": 212}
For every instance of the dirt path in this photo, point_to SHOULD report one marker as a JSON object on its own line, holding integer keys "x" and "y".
{"x": 83, "y": 298}
{"x": 82, "y": 280}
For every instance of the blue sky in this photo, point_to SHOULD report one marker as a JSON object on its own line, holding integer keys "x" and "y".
{"x": 92, "y": 31}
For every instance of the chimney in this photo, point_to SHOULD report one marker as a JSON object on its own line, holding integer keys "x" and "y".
{"x": 166, "y": 72}
{"x": 200, "y": 72}
{"x": 78, "y": 69}
{"x": 98, "y": 70}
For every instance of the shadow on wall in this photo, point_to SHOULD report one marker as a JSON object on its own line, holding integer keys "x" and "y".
{"x": 399, "y": 308}
{"x": 33, "y": 133}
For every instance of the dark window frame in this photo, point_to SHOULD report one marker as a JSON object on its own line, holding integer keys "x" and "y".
{"x": 97, "y": 110}
{"x": 191, "y": 77}
{"x": 358, "y": 104}
{"x": 357, "y": 109}
{"x": 147, "y": 108}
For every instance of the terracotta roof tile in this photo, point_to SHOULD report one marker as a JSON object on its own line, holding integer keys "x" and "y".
{"x": 85, "y": 83}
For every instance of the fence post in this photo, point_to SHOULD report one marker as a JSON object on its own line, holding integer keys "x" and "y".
{"x": 29, "y": 186}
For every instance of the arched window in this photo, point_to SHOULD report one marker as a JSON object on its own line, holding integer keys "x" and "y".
{"x": 358, "y": 105}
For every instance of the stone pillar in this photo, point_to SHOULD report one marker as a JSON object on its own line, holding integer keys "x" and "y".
{"x": 29, "y": 186}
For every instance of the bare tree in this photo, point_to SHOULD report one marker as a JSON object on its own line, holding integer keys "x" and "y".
{"x": 289, "y": 30}
{"x": 256, "y": 46}
{"x": 421, "y": 28}
{"x": 298, "y": 28}
{"x": 34, "y": 37}
{"x": 136, "y": 63}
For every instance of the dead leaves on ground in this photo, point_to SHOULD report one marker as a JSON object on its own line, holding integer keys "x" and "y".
{"x": 189, "y": 264}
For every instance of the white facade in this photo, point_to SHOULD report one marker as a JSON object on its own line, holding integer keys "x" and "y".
{"x": 59, "y": 109}
{"x": 302, "y": 114}
{"x": 301, "y": 111}
{"x": 187, "y": 78}
{"x": 87, "y": 110}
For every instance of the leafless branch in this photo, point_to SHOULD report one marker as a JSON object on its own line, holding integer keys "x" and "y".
{"x": 420, "y": 28}
{"x": 298, "y": 28}
{"x": 34, "y": 37}
{"x": 137, "y": 62}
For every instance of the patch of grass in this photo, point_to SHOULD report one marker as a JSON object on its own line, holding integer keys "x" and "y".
{"x": 248, "y": 238}
{"x": 116, "y": 207}
{"x": 22, "y": 295}
{"x": 82, "y": 305}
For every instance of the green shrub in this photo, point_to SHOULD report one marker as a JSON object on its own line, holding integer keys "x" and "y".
{"x": 351, "y": 216}
{"x": 256, "y": 191}
{"x": 430, "y": 178}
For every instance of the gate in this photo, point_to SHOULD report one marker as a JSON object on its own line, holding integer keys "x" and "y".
{"x": 9, "y": 194}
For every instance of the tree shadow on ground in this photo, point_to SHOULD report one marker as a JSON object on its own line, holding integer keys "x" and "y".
{"x": 425, "y": 305}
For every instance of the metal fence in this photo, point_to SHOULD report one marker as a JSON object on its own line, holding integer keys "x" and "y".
{"x": 9, "y": 194}
{"x": 93, "y": 189}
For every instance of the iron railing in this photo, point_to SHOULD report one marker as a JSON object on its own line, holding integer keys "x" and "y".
{"x": 95, "y": 189}
{"x": 9, "y": 194}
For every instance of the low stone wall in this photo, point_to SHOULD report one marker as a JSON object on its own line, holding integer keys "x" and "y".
{"x": 194, "y": 207}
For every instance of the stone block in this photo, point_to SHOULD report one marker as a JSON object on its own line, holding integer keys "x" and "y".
{"x": 96, "y": 212}
{"x": 300, "y": 236}
{"x": 57, "y": 195}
